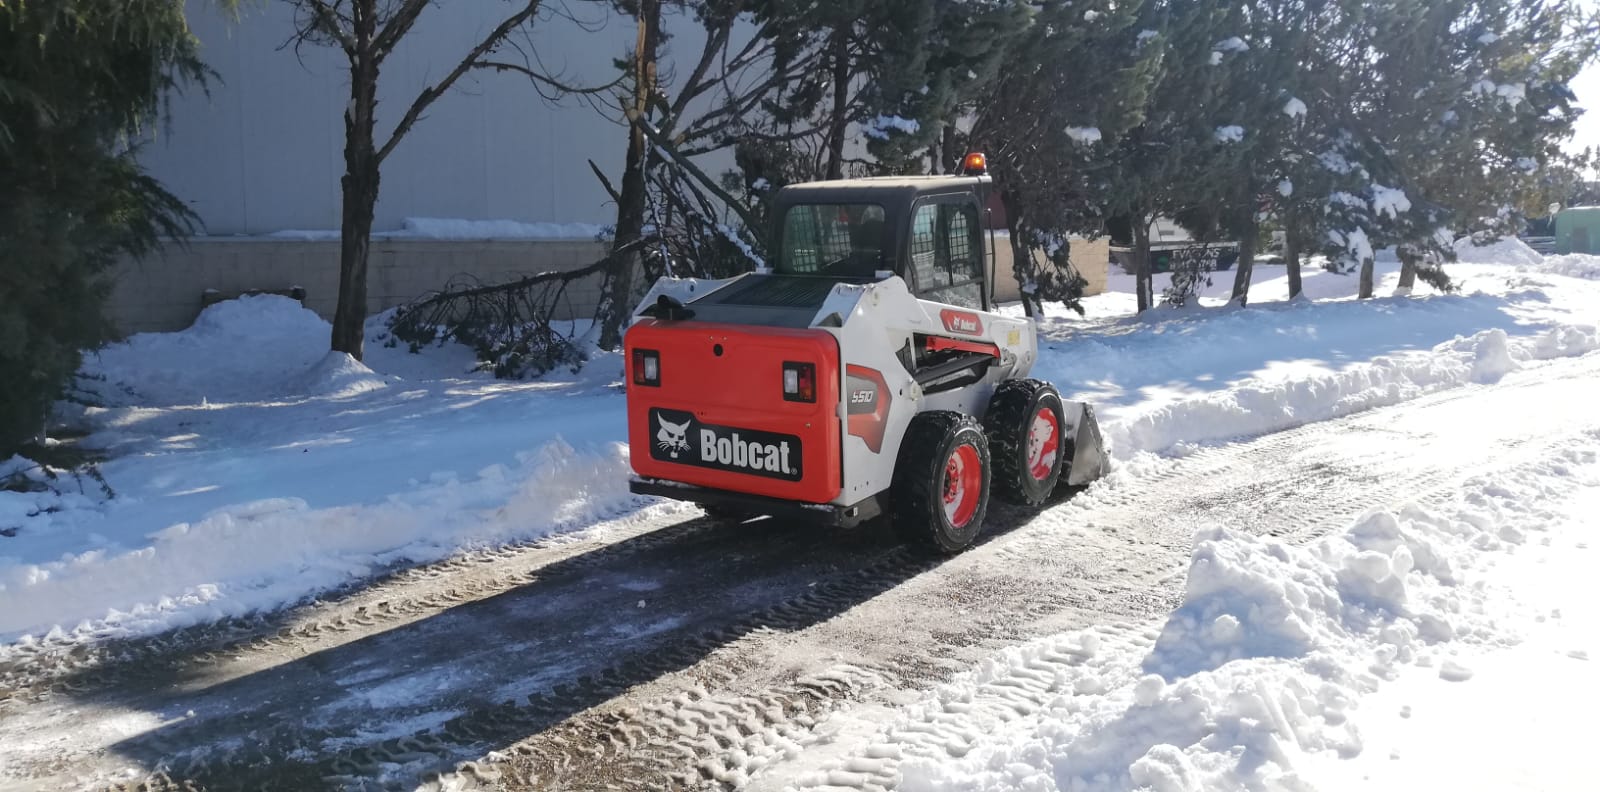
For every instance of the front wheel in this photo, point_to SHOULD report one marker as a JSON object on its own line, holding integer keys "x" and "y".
{"x": 1025, "y": 425}
{"x": 941, "y": 482}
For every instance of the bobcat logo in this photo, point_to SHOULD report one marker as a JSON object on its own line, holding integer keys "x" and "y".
{"x": 672, "y": 437}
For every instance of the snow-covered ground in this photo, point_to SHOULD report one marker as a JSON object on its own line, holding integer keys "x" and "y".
{"x": 252, "y": 469}
{"x": 1444, "y": 647}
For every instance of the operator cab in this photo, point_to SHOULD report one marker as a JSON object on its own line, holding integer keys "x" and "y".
{"x": 926, "y": 229}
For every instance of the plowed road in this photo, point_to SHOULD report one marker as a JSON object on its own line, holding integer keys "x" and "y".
{"x": 686, "y": 653}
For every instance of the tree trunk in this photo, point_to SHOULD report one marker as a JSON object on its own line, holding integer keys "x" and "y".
{"x": 1408, "y": 269}
{"x": 837, "y": 123}
{"x": 1244, "y": 268}
{"x": 1291, "y": 258}
{"x": 952, "y": 158}
{"x": 1022, "y": 265}
{"x": 1366, "y": 278}
{"x": 1144, "y": 282}
{"x": 359, "y": 188}
{"x": 616, "y": 295}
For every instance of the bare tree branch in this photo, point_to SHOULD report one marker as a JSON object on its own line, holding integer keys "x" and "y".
{"x": 397, "y": 26}
{"x": 604, "y": 182}
{"x": 694, "y": 170}
{"x": 544, "y": 79}
{"x": 433, "y": 92}
{"x": 326, "y": 19}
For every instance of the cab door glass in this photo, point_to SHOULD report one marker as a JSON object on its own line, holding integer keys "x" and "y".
{"x": 947, "y": 254}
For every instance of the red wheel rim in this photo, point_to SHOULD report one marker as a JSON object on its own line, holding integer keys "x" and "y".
{"x": 963, "y": 485}
{"x": 1044, "y": 442}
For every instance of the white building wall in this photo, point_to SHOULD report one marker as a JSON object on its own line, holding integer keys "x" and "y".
{"x": 263, "y": 151}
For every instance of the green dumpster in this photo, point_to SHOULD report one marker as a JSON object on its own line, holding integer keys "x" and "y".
{"x": 1578, "y": 230}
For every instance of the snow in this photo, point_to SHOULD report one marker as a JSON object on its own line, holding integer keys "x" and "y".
{"x": 252, "y": 468}
{"x": 456, "y": 229}
{"x": 1501, "y": 251}
{"x": 1294, "y": 108}
{"x": 1231, "y": 44}
{"x": 1389, "y": 201}
{"x": 1230, "y": 134}
{"x": 1286, "y": 188}
{"x": 1084, "y": 136}
{"x": 1377, "y": 657}
{"x": 1216, "y": 58}
{"x": 879, "y": 128}
{"x": 1488, "y": 38}
{"x": 1511, "y": 93}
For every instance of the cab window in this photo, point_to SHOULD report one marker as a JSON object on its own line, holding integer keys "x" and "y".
{"x": 947, "y": 254}
{"x": 839, "y": 240}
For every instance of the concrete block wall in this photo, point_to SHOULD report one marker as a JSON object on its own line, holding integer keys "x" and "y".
{"x": 163, "y": 293}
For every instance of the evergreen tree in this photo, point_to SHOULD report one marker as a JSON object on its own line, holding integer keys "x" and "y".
{"x": 80, "y": 81}
{"x": 1168, "y": 164}
{"x": 1077, "y": 78}
{"x": 938, "y": 59}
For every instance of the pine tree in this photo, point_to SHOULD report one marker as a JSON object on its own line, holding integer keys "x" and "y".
{"x": 1047, "y": 124}
{"x": 80, "y": 81}
{"x": 938, "y": 58}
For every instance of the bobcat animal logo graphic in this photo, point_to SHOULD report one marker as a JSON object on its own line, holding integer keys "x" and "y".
{"x": 672, "y": 437}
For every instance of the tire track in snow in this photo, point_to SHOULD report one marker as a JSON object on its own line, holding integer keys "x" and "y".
{"x": 1117, "y": 547}
{"x": 1322, "y": 500}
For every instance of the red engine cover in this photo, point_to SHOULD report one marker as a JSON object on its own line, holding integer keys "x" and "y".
{"x": 719, "y": 418}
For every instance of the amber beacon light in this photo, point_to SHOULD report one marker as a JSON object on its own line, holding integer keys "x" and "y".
{"x": 974, "y": 164}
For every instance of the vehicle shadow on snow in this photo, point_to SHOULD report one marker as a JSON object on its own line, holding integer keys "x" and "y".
{"x": 488, "y": 673}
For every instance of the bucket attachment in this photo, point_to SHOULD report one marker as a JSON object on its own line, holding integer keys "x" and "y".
{"x": 1088, "y": 461}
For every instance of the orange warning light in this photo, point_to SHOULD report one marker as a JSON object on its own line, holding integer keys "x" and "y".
{"x": 974, "y": 164}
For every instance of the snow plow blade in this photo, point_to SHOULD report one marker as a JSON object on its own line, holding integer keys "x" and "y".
{"x": 1088, "y": 461}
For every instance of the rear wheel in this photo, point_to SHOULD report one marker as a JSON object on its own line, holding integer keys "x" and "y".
{"x": 1026, "y": 440}
{"x": 941, "y": 482}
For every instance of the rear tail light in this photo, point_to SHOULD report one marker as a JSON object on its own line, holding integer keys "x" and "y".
{"x": 646, "y": 367}
{"x": 799, "y": 382}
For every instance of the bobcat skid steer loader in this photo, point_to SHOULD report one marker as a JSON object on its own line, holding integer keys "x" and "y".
{"x": 861, "y": 373}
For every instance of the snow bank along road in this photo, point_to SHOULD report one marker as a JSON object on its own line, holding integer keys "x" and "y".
{"x": 688, "y": 652}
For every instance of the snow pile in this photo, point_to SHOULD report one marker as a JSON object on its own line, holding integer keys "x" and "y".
{"x": 263, "y": 553}
{"x": 1261, "y": 670}
{"x": 1260, "y": 406}
{"x": 252, "y": 348}
{"x": 1509, "y": 250}
{"x": 339, "y": 375}
{"x": 1230, "y": 134}
{"x": 1572, "y": 265}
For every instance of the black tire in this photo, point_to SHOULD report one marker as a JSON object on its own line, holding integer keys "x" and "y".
{"x": 937, "y": 445}
{"x": 1018, "y": 477}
